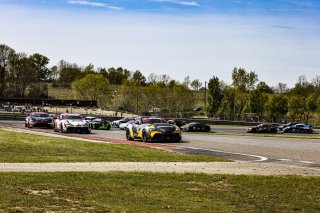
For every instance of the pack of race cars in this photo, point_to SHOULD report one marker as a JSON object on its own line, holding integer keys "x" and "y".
{"x": 145, "y": 128}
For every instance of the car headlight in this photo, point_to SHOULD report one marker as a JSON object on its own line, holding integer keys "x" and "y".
{"x": 67, "y": 123}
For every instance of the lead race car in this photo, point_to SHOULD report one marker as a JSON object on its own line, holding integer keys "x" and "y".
{"x": 71, "y": 123}
{"x": 153, "y": 129}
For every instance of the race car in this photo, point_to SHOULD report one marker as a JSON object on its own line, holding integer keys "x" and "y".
{"x": 100, "y": 124}
{"x": 38, "y": 119}
{"x": 195, "y": 127}
{"x": 153, "y": 129}
{"x": 116, "y": 123}
{"x": 71, "y": 123}
{"x": 124, "y": 126}
{"x": 263, "y": 128}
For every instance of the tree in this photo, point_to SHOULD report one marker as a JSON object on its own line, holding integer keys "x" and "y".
{"x": 242, "y": 80}
{"x": 153, "y": 78}
{"x": 297, "y": 107}
{"x": 21, "y": 75}
{"x": 187, "y": 81}
{"x": 139, "y": 77}
{"x": 91, "y": 87}
{"x": 89, "y": 69}
{"x": 5, "y": 53}
{"x": 316, "y": 83}
{"x": 281, "y": 88}
{"x": 257, "y": 100}
{"x": 215, "y": 95}
{"x": 227, "y": 109}
{"x": 262, "y": 87}
{"x": 118, "y": 76}
{"x": 277, "y": 108}
{"x": 68, "y": 72}
{"x": 40, "y": 63}
{"x": 196, "y": 84}
{"x": 303, "y": 87}
{"x": 311, "y": 105}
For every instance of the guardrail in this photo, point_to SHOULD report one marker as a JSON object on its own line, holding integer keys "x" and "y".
{"x": 12, "y": 117}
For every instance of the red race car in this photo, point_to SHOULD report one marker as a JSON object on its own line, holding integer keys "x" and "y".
{"x": 39, "y": 119}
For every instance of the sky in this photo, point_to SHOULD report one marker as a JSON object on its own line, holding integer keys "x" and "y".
{"x": 277, "y": 39}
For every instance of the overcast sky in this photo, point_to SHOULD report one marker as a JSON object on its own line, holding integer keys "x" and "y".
{"x": 278, "y": 39}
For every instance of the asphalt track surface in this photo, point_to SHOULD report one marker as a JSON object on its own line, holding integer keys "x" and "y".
{"x": 288, "y": 151}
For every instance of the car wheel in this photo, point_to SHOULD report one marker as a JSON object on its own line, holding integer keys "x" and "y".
{"x": 55, "y": 128}
{"x": 128, "y": 136}
{"x": 144, "y": 137}
{"x": 88, "y": 131}
{"x": 61, "y": 129}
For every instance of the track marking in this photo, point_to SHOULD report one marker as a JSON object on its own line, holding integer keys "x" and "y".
{"x": 284, "y": 159}
{"x": 234, "y": 153}
{"x": 308, "y": 162}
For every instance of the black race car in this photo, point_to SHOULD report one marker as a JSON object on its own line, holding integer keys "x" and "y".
{"x": 263, "y": 128}
{"x": 195, "y": 127}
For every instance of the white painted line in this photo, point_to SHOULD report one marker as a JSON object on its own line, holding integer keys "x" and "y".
{"x": 234, "y": 153}
{"x": 308, "y": 162}
{"x": 284, "y": 159}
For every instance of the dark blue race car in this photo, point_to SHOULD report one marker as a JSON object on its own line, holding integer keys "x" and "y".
{"x": 299, "y": 128}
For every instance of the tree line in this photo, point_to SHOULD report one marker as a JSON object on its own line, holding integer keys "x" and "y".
{"x": 123, "y": 90}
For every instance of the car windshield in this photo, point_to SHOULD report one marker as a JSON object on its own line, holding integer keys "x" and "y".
{"x": 72, "y": 117}
{"x": 40, "y": 115}
{"x": 153, "y": 121}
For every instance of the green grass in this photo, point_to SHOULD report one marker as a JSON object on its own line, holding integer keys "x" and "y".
{"x": 156, "y": 192}
{"x": 23, "y": 147}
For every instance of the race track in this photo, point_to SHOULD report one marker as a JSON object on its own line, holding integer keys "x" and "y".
{"x": 289, "y": 151}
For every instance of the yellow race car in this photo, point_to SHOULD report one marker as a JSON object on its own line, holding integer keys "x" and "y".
{"x": 153, "y": 129}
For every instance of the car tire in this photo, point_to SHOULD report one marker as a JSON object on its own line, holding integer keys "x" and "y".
{"x": 128, "y": 135}
{"x": 144, "y": 137}
{"x": 61, "y": 129}
{"x": 55, "y": 128}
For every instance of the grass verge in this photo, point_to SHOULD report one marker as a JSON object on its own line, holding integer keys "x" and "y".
{"x": 23, "y": 147}
{"x": 154, "y": 192}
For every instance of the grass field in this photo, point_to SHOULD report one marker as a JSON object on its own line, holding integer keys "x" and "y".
{"x": 23, "y": 147}
{"x": 154, "y": 192}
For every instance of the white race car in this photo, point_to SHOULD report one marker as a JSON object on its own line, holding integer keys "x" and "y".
{"x": 124, "y": 126}
{"x": 71, "y": 123}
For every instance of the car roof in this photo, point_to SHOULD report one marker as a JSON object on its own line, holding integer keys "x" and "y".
{"x": 67, "y": 114}
{"x": 35, "y": 113}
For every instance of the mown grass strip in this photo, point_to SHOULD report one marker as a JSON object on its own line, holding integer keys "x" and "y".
{"x": 154, "y": 192}
{"x": 23, "y": 147}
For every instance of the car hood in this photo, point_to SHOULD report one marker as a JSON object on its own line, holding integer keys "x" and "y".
{"x": 77, "y": 122}
{"x": 41, "y": 118}
{"x": 164, "y": 128}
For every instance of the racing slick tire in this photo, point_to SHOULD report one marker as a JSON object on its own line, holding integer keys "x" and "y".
{"x": 144, "y": 136}
{"x": 128, "y": 135}
{"x": 61, "y": 129}
{"x": 88, "y": 131}
{"x": 55, "y": 128}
